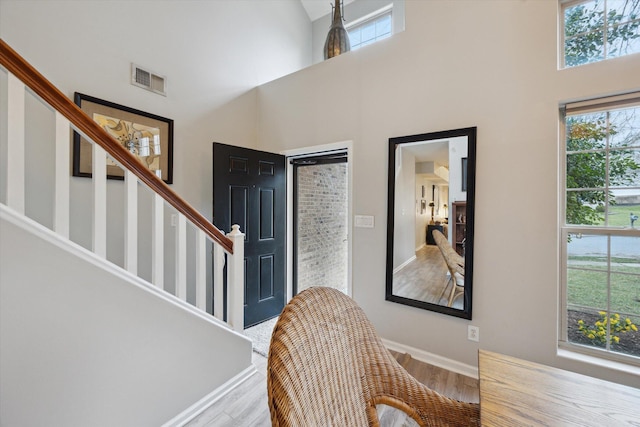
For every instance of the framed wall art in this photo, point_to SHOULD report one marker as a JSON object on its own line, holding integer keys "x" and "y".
{"x": 148, "y": 136}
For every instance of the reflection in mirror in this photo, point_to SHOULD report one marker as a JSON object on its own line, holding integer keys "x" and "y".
{"x": 430, "y": 220}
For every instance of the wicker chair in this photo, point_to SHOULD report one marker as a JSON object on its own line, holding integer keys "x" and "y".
{"x": 455, "y": 264}
{"x": 328, "y": 367}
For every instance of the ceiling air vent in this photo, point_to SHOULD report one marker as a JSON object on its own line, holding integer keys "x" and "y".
{"x": 148, "y": 80}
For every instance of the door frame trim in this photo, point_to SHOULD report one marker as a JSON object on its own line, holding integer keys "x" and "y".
{"x": 310, "y": 151}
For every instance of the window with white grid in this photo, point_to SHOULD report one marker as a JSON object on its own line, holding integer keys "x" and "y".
{"x": 370, "y": 29}
{"x": 595, "y": 30}
{"x": 600, "y": 230}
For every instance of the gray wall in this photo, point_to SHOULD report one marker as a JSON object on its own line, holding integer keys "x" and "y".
{"x": 490, "y": 64}
{"x": 213, "y": 54}
{"x": 84, "y": 347}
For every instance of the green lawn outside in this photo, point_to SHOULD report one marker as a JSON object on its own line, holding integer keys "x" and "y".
{"x": 589, "y": 288}
{"x": 619, "y": 215}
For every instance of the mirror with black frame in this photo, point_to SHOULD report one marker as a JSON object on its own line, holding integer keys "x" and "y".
{"x": 430, "y": 220}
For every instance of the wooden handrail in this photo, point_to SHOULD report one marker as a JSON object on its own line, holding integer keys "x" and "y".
{"x": 19, "y": 67}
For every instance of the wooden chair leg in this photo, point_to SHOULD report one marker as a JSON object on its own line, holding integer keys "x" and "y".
{"x": 454, "y": 294}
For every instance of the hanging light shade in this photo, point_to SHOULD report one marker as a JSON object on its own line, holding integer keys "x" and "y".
{"x": 338, "y": 39}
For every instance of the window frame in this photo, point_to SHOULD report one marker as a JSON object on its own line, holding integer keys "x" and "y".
{"x": 565, "y": 4}
{"x": 368, "y": 18}
{"x": 600, "y": 105}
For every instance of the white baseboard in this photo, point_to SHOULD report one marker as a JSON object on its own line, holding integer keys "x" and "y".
{"x": 203, "y": 404}
{"x": 433, "y": 359}
{"x": 404, "y": 264}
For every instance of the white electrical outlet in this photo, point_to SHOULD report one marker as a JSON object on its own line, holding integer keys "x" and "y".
{"x": 473, "y": 333}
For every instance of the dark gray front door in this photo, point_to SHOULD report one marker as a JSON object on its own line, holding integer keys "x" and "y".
{"x": 249, "y": 189}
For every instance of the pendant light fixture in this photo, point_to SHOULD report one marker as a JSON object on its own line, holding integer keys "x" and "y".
{"x": 338, "y": 39}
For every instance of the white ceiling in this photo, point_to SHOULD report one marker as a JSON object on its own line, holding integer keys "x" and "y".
{"x": 318, "y": 8}
{"x": 430, "y": 151}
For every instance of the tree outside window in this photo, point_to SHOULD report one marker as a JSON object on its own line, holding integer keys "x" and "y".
{"x": 601, "y": 230}
{"x": 595, "y": 30}
{"x": 601, "y": 234}
{"x": 603, "y": 158}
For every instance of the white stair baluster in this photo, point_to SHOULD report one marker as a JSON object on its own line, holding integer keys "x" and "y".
{"x": 131, "y": 222}
{"x": 218, "y": 281}
{"x": 181, "y": 257}
{"x": 15, "y": 144}
{"x": 99, "y": 178}
{"x": 62, "y": 180}
{"x": 157, "y": 242}
{"x": 235, "y": 280}
{"x": 201, "y": 270}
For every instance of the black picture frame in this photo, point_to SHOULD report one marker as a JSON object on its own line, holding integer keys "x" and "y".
{"x": 148, "y": 136}
{"x": 395, "y": 145}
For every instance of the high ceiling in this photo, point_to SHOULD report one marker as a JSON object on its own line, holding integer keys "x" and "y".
{"x": 318, "y": 8}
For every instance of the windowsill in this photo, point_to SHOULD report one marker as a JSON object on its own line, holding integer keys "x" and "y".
{"x": 598, "y": 361}
{"x": 621, "y": 58}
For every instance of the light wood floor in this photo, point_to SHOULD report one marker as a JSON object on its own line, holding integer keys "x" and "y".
{"x": 425, "y": 278}
{"x": 247, "y": 406}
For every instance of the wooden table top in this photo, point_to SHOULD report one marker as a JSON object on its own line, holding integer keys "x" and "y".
{"x": 514, "y": 392}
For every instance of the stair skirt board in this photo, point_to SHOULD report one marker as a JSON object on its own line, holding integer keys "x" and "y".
{"x": 433, "y": 359}
{"x": 14, "y": 219}
{"x": 203, "y": 404}
{"x": 50, "y": 236}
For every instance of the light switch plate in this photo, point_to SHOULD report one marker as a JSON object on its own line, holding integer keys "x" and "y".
{"x": 364, "y": 221}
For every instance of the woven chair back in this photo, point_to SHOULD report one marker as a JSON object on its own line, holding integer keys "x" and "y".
{"x": 328, "y": 367}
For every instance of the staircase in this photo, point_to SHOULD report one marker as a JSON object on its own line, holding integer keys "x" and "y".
{"x": 103, "y": 311}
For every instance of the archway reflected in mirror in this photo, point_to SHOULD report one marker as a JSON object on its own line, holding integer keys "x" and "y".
{"x": 430, "y": 220}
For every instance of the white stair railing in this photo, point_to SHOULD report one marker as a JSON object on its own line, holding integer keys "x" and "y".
{"x": 227, "y": 249}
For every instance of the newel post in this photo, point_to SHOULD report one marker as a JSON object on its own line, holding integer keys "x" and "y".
{"x": 235, "y": 280}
